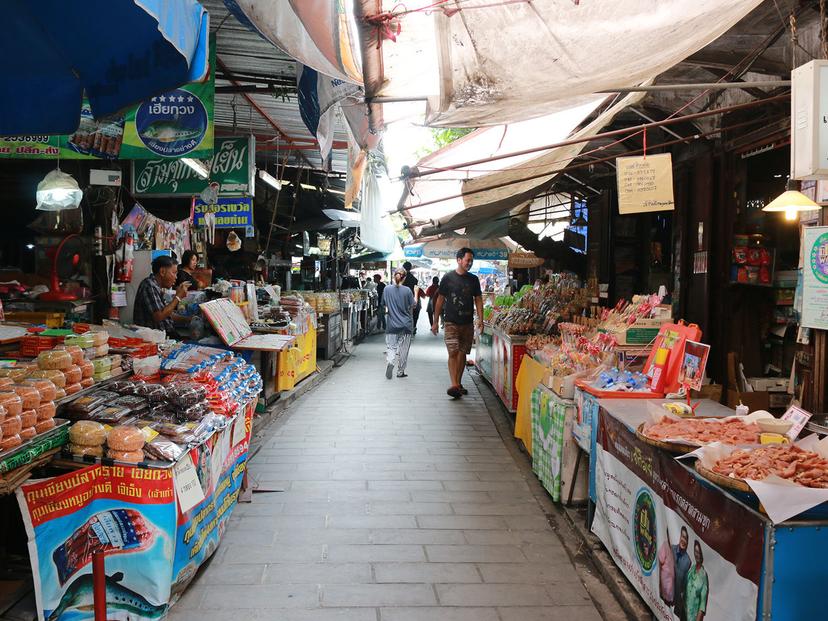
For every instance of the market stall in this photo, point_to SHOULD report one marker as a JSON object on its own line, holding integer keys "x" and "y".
{"x": 156, "y": 463}
{"x": 653, "y": 509}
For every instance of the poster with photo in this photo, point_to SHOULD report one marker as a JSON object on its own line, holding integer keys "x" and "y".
{"x": 684, "y": 548}
{"x": 693, "y": 364}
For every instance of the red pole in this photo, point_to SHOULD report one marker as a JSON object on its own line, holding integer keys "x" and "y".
{"x": 99, "y": 585}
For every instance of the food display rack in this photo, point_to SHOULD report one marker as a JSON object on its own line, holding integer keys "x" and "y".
{"x": 498, "y": 356}
{"x": 751, "y": 563}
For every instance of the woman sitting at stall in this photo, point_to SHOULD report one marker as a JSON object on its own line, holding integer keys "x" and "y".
{"x": 189, "y": 263}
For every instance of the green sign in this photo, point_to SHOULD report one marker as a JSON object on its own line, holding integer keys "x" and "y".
{"x": 232, "y": 167}
{"x": 178, "y": 123}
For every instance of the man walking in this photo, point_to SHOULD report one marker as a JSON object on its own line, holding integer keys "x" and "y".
{"x": 460, "y": 296}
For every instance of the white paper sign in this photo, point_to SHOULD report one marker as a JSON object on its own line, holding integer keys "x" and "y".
{"x": 815, "y": 277}
{"x": 187, "y": 486}
{"x": 645, "y": 183}
{"x": 239, "y": 430}
{"x": 798, "y": 417}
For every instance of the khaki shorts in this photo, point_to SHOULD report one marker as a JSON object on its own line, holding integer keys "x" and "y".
{"x": 459, "y": 337}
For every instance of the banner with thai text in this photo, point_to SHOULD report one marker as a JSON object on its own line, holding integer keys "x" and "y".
{"x": 686, "y": 548}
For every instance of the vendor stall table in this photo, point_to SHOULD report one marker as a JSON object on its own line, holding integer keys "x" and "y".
{"x": 500, "y": 368}
{"x": 329, "y": 335}
{"x": 155, "y": 525}
{"x": 556, "y": 459}
{"x": 737, "y": 563}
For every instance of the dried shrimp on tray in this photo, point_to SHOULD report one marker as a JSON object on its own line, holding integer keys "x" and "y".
{"x": 786, "y": 461}
{"x": 683, "y": 435}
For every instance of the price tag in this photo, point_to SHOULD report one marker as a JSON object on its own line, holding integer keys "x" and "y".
{"x": 798, "y": 417}
{"x": 187, "y": 486}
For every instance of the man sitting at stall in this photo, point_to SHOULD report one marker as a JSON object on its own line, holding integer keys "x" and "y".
{"x": 149, "y": 309}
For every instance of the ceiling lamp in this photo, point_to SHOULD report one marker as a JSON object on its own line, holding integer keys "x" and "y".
{"x": 197, "y": 166}
{"x": 58, "y": 191}
{"x": 791, "y": 201}
{"x": 270, "y": 180}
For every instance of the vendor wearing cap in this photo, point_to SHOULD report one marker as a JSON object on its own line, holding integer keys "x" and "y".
{"x": 149, "y": 309}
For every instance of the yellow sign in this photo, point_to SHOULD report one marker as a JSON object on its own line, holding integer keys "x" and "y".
{"x": 645, "y": 184}
{"x": 524, "y": 260}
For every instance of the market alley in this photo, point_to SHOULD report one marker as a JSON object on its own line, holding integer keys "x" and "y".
{"x": 384, "y": 500}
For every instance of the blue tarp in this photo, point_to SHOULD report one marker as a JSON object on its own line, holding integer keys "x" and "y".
{"x": 119, "y": 52}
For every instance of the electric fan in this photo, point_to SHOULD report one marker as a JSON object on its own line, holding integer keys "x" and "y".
{"x": 66, "y": 258}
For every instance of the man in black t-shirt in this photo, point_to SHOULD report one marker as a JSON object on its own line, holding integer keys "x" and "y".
{"x": 412, "y": 283}
{"x": 460, "y": 297}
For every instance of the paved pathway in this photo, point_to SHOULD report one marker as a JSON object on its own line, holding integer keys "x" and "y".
{"x": 399, "y": 504}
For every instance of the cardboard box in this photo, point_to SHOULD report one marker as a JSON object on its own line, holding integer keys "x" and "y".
{"x": 769, "y": 384}
{"x": 754, "y": 400}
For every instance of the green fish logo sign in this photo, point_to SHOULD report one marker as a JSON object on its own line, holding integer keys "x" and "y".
{"x": 819, "y": 259}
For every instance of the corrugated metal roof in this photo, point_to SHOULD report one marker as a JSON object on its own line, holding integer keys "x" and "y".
{"x": 255, "y": 61}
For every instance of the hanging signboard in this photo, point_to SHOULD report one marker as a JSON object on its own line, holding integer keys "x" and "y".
{"x": 815, "y": 278}
{"x": 231, "y": 213}
{"x": 178, "y": 123}
{"x": 645, "y": 184}
{"x": 233, "y": 167}
{"x": 524, "y": 260}
{"x": 809, "y": 125}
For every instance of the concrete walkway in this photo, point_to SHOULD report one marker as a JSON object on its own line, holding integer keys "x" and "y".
{"x": 398, "y": 504}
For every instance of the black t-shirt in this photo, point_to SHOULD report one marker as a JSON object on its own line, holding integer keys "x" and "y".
{"x": 412, "y": 283}
{"x": 459, "y": 292}
{"x": 184, "y": 276}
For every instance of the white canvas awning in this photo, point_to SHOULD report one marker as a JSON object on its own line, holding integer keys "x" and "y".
{"x": 483, "y": 63}
{"x": 498, "y": 187}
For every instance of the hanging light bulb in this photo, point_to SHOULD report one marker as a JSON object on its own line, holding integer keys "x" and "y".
{"x": 58, "y": 191}
{"x": 791, "y": 201}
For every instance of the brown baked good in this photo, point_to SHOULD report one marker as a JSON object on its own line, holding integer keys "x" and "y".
{"x": 10, "y": 442}
{"x": 87, "y": 382}
{"x": 53, "y": 375}
{"x": 87, "y": 368}
{"x": 73, "y": 374}
{"x": 99, "y": 337}
{"x": 45, "y": 387}
{"x": 54, "y": 359}
{"x": 11, "y": 426}
{"x": 11, "y": 402}
{"x": 29, "y": 395}
{"x": 5, "y": 382}
{"x": 82, "y": 449}
{"x": 28, "y": 418}
{"x": 45, "y": 425}
{"x": 60, "y": 393}
{"x": 46, "y": 410}
{"x": 87, "y": 433}
{"x": 132, "y": 457}
{"x": 27, "y": 433}
{"x": 73, "y": 350}
{"x": 125, "y": 438}
{"x": 72, "y": 389}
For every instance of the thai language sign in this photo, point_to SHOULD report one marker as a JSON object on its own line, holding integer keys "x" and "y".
{"x": 685, "y": 548}
{"x": 815, "y": 277}
{"x": 178, "y": 123}
{"x": 230, "y": 213}
{"x": 232, "y": 167}
{"x": 645, "y": 183}
{"x": 132, "y": 515}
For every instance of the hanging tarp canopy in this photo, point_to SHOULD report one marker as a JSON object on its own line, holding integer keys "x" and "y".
{"x": 486, "y": 249}
{"x": 317, "y": 33}
{"x": 51, "y": 54}
{"x": 504, "y": 185}
{"x": 488, "y": 63}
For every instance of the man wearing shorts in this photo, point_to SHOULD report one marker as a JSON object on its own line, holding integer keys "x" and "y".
{"x": 460, "y": 298}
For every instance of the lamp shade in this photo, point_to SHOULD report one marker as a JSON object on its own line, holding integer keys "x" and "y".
{"x": 791, "y": 200}
{"x": 58, "y": 191}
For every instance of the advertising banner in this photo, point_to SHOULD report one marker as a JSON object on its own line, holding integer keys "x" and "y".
{"x": 815, "y": 277}
{"x": 231, "y": 213}
{"x": 127, "y": 513}
{"x": 232, "y": 167}
{"x": 178, "y": 123}
{"x": 685, "y": 548}
{"x": 134, "y": 516}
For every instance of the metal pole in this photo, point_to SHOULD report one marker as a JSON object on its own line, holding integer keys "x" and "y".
{"x": 629, "y": 131}
{"x": 99, "y": 586}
